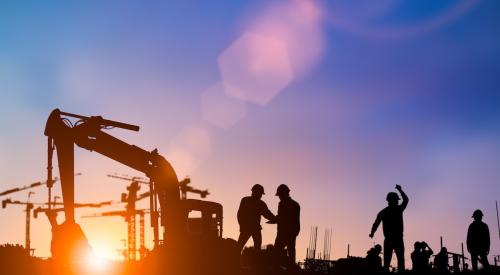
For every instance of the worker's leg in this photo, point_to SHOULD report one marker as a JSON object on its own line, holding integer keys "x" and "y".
{"x": 473, "y": 259}
{"x": 483, "y": 258}
{"x": 279, "y": 245}
{"x": 243, "y": 238}
{"x": 291, "y": 248}
{"x": 388, "y": 247}
{"x": 257, "y": 240}
{"x": 399, "y": 248}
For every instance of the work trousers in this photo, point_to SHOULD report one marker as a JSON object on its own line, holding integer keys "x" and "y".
{"x": 397, "y": 245}
{"x": 482, "y": 257}
{"x": 256, "y": 237}
{"x": 288, "y": 241}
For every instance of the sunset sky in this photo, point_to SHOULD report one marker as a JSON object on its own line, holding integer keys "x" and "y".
{"x": 340, "y": 101}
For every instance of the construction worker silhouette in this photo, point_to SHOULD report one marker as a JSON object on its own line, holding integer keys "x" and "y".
{"x": 392, "y": 223}
{"x": 415, "y": 256}
{"x": 478, "y": 240}
{"x": 251, "y": 208}
{"x": 288, "y": 220}
{"x": 373, "y": 260}
{"x": 420, "y": 257}
{"x": 441, "y": 261}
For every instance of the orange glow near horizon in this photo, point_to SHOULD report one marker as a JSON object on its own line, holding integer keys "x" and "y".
{"x": 341, "y": 102}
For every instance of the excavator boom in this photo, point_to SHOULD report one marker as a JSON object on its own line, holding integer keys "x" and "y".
{"x": 87, "y": 133}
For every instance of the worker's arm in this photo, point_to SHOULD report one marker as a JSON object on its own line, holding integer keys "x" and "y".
{"x": 267, "y": 213}
{"x": 376, "y": 224}
{"x": 469, "y": 238}
{"x": 429, "y": 248}
{"x": 240, "y": 211}
{"x": 487, "y": 239}
{"x": 404, "y": 196}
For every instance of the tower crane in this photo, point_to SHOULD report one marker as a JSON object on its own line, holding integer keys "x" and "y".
{"x": 39, "y": 209}
{"x": 130, "y": 213}
{"x": 29, "y": 207}
{"x": 184, "y": 186}
{"x": 26, "y": 187}
{"x": 131, "y": 238}
{"x": 29, "y": 186}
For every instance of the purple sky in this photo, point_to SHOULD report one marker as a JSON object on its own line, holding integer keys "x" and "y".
{"x": 339, "y": 101}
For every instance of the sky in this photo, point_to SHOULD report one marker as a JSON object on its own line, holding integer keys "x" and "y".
{"x": 339, "y": 101}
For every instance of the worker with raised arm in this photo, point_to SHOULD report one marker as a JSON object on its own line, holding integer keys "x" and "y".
{"x": 391, "y": 218}
{"x": 478, "y": 241}
{"x": 249, "y": 213}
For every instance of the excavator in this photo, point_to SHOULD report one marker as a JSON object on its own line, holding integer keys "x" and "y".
{"x": 51, "y": 213}
{"x": 179, "y": 249}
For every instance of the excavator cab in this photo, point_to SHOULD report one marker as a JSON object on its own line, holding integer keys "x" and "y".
{"x": 204, "y": 218}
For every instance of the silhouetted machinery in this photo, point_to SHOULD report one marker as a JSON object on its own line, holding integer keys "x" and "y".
{"x": 131, "y": 251}
{"x": 26, "y": 187}
{"x": 30, "y": 206}
{"x": 195, "y": 225}
{"x": 179, "y": 247}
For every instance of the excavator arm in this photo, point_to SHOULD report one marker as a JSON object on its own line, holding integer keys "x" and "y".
{"x": 87, "y": 133}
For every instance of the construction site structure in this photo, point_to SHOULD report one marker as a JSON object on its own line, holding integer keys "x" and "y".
{"x": 52, "y": 209}
{"x": 131, "y": 251}
{"x": 30, "y": 206}
{"x": 180, "y": 248}
{"x": 318, "y": 262}
{"x": 210, "y": 220}
{"x": 130, "y": 213}
{"x": 458, "y": 259}
{"x": 184, "y": 186}
{"x": 498, "y": 219}
{"x": 311, "y": 249}
{"x": 327, "y": 244}
{"x": 26, "y": 187}
{"x": 131, "y": 198}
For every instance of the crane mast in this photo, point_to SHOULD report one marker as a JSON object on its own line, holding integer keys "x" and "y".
{"x": 29, "y": 206}
{"x": 131, "y": 234}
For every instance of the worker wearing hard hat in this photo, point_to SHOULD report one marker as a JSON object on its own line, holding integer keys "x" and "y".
{"x": 478, "y": 240}
{"x": 392, "y": 219}
{"x": 249, "y": 213}
{"x": 288, "y": 220}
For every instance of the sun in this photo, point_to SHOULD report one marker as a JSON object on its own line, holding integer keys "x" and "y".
{"x": 99, "y": 259}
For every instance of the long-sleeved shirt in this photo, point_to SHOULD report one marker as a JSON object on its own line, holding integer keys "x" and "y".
{"x": 478, "y": 237}
{"x": 392, "y": 219}
{"x": 249, "y": 214}
{"x": 288, "y": 218}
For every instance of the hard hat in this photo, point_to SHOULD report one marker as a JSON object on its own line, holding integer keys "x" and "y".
{"x": 392, "y": 196}
{"x": 477, "y": 213}
{"x": 257, "y": 188}
{"x": 282, "y": 189}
